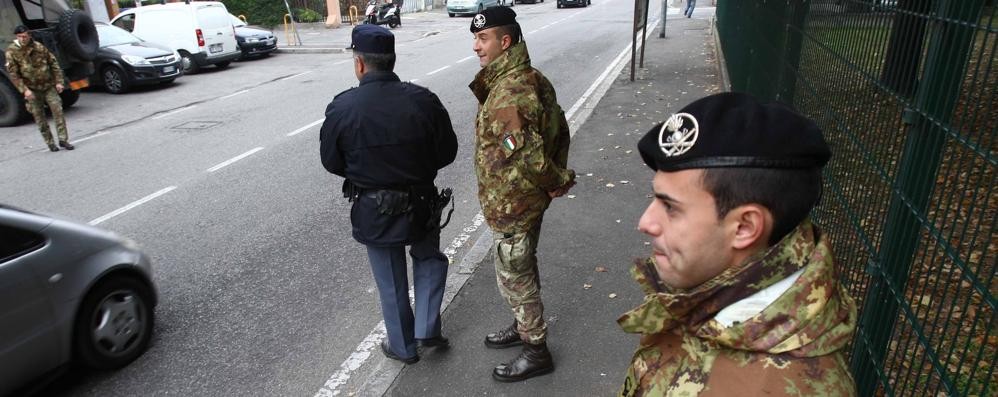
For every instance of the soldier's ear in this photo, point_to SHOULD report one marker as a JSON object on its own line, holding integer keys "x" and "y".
{"x": 750, "y": 225}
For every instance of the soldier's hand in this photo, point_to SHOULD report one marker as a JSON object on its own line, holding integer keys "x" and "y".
{"x": 28, "y": 95}
{"x": 59, "y": 88}
{"x": 561, "y": 190}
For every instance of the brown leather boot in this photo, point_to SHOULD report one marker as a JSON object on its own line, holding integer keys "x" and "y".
{"x": 534, "y": 360}
{"x": 507, "y": 337}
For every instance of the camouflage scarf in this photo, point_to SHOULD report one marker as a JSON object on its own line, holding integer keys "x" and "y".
{"x": 812, "y": 318}
{"x": 513, "y": 59}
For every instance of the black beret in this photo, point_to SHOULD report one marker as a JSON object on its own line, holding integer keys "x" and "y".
{"x": 20, "y": 29}
{"x": 492, "y": 17}
{"x": 734, "y": 130}
{"x": 372, "y": 39}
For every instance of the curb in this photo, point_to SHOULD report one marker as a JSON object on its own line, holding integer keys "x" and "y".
{"x": 310, "y": 50}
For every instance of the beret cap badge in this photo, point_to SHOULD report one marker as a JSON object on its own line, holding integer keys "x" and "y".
{"x": 479, "y": 21}
{"x": 674, "y": 139}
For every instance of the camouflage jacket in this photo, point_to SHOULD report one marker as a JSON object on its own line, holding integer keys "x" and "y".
{"x": 790, "y": 348}
{"x": 521, "y": 149}
{"x": 32, "y": 66}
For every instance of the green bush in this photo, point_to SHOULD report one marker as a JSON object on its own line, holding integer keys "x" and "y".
{"x": 306, "y": 15}
{"x": 263, "y": 13}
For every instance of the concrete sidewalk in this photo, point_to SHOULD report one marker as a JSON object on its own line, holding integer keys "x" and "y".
{"x": 587, "y": 243}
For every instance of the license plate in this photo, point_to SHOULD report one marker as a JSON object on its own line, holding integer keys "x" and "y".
{"x": 215, "y": 48}
{"x": 169, "y": 69}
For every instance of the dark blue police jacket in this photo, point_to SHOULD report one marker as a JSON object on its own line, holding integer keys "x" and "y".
{"x": 386, "y": 134}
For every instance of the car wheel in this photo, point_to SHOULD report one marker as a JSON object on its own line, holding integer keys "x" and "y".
{"x": 114, "y": 79}
{"x": 188, "y": 63}
{"x": 114, "y": 325}
{"x": 223, "y": 64}
{"x": 12, "y": 109}
{"x": 451, "y": 14}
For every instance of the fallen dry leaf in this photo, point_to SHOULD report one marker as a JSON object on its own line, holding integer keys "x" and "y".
{"x": 571, "y": 196}
{"x": 612, "y": 296}
{"x": 587, "y": 286}
{"x": 601, "y": 269}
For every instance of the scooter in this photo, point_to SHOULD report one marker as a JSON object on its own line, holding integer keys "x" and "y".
{"x": 390, "y": 13}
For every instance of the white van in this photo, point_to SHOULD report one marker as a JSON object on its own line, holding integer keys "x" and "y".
{"x": 201, "y": 32}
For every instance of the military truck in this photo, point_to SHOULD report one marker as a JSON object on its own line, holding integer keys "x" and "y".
{"x": 70, "y": 35}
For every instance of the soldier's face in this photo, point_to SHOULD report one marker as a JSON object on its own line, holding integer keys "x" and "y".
{"x": 690, "y": 244}
{"x": 23, "y": 38}
{"x": 488, "y": 45}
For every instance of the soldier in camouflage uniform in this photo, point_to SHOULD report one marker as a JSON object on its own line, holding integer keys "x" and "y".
{"x": 741, "y": 293}
{"x": 521, "y": 156}
{"x": 36, "y": 73}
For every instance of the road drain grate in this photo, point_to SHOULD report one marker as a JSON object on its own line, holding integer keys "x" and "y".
{"x": 196, "y": 125}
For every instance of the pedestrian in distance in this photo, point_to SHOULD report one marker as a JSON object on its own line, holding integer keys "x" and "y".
{"x": 521, "y": 156}
{"x": 741, "y": 292}
{"x": 389, "y": 163}
{"x": 688, "y": 11}
{"x": 35, "y": 73}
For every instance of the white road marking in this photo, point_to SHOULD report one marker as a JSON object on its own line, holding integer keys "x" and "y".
{"x": 174, "y": 112}
{"x": 295, "y": 75}
{"x": 363, "y": 350}
{"x": 234, "y": 94}
{"x": 97, "y": 134}
{"x": 438, "y": 70}
{"x": 413, "y": 80}
{"x": 343, "y": 61}
{"x": 466, "y": 58}
{"x": 303, "y": 129}
{"x": 234, "y": 159}
{"x": 134, "y": 204}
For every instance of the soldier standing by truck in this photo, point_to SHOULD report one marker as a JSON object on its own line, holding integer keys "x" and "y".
{"x": 35, "y": 72}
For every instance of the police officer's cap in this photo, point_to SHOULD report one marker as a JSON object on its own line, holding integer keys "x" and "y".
{"x": 492, "y": 17}
{"x": 20, "y": 29}
{"x": 734, "y": 130}
{"x": 372, "y": 39}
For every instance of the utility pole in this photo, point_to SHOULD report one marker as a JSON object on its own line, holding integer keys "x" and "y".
{"x": 665, "y": 9}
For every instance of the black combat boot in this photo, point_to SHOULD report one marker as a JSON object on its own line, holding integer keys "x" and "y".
{"x": 534, "y": 360}
{"x": 66, "y": 145}
{"x": 53, "y": 148}
{"x": 507, "y": 337}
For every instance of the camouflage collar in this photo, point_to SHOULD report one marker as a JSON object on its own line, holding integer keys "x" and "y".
{"x": 515, "y": 58}
{"x": 665, "y": 308}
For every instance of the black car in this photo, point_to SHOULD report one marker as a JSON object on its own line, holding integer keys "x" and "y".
{"x": 253, "y": 41}
{"x": 576, "y": 3}
{"x": 124, "y": 60}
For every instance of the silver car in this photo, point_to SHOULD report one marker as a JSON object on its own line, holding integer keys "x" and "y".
{"x": 69, "y": 293}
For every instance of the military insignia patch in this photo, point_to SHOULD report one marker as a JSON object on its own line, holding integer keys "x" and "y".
{"x": 479, "y": 21}
{"x": 509, "y": 142}
{"x": 680, "y": 139}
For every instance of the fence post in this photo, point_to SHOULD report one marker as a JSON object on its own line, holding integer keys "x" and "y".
{"x": 787, "y": 83}
{"x": 935, "y": 100}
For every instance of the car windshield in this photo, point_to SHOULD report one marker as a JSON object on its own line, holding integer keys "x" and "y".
{"x": 113, "y": 35}
{"x": 236, "y": 21}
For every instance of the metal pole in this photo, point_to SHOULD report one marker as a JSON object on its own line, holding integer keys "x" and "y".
{"x": 665, "y": 8}
{"x": 293, "y": 26}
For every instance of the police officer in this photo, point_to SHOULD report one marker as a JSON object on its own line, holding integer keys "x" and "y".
{"x": 742, "y": 296}
{"x": 390, "y": 159}
{"x": 521, "y": 157}
{"x": 36, "y": 73}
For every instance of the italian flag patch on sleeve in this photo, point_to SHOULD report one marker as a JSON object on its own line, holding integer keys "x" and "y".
{"x": 509, "y": 142}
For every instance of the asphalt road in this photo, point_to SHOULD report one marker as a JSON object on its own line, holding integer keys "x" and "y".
{"x": 262, "y": 289}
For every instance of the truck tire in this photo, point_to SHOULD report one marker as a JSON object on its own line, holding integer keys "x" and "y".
{"x": 12, "y": 109}
{"x": 69, "y": 97}
{"x": 77, "y": 35}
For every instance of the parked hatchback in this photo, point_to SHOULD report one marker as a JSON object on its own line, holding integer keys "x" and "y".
{"x": 68, "y": 292}
{"x": 125, "y": 60}
{"x": 253, "y": 41}
{"x": 471, "y": 7}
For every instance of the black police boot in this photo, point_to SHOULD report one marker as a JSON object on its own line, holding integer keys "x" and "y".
{"x": 507, "y": 337}
{"x": 66, "y": 145}
{"x": 534, "y": 360}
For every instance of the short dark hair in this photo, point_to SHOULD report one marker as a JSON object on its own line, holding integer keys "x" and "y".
{"x": 789, "y": 194}
{"x": 380, "y": 62}
{"x": 513, "y": 30}
{"x": 20, "y": 29}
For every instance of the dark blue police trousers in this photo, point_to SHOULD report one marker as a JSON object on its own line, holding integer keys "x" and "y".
{"x": 429, "y": 272}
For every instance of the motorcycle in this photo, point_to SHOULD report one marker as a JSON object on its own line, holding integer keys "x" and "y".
{"x": 389, "y": 13}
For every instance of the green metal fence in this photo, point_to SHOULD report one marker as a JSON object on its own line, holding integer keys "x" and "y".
{"x": 905, "y": 91}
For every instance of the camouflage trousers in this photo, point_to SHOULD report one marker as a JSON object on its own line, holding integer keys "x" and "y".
{"x": 520, "y": 283}
{"x": 37, "y": 108}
